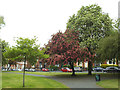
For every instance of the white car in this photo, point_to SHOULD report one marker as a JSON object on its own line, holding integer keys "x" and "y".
{"x": 78, "y": 69}
{"x": 31, "y": 70}
{"x": 111, "y": 69}
{"x": 4, "y": 69}
{"x": 19, "y": 69}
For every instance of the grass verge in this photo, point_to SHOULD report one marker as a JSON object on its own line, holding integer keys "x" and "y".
{"x": 10, "y": 80}
{"x": 111, "y": 83}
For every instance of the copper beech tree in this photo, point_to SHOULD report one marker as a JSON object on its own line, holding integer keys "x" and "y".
{"x": 64, "y": 48}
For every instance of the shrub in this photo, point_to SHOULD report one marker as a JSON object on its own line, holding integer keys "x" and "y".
{"x": 67, "y": 66}
{"x": 108, "y": 65}
{"x": 54, "y": 68}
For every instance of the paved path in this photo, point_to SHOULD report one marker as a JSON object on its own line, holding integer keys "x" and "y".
{"x": 82, "y": 81}
{"x": 77, "y": 81}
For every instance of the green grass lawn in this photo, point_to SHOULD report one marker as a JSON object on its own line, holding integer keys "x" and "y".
{"x": 111, "y": 83}
{"x": 10, "y": 80}
{"x": 104, "y": 83}
{"x": 46, "y": 73}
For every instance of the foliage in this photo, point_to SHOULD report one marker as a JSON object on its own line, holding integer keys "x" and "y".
{"x": 1, "y": 21}
{"x": 92, "y": 23}
{"x": 4, "y": 45}
{"x": 108, "y": 47}
{"x": 55, "y": 68}
{"x": 26, "y": 48}
{"x": 116, "y": 25}
{"x": 67, "y": 66}
{"x": 64, "y": 48}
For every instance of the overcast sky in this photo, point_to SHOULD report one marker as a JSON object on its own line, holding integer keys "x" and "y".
{"x": 42, "y": 18}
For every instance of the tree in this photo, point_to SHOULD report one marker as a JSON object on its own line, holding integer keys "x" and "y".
{"x": 26, "y": 50}
{"x": 4, "y": 46}
{"x": 109, "y": 47}
{"x": 1, "y": 24}
{"x": 64, "y": 48}
{"x": 1, "y": 21}
{"x": 93, "y": 24}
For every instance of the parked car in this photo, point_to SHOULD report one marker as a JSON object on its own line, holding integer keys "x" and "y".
{"x": 14, "y": 70}
{"x": 25, "y": 69}
{"x": 19, "y": 69}
{"x": 98, "y": 69}
{"x": 44, "y": 69}
{"x": 4, "y": 69}
{"x": 66, "y": 69}
{"x": 31, "y": 70}
{"x": 111, "y": 69}
{"x": 78, "y": 69}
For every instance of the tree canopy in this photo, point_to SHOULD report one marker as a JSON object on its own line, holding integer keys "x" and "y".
{"x": 64, "y": 48}
{"x": 26, "y": 48}
{"x": 4, "y": 45}
{"x": 109, "y": 47}
{"x": 93, "y": 24}
{"x": 1, "y": 21}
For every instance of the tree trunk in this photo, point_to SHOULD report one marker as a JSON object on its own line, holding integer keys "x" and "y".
{"x": 83, "y": 65}
{"x": 72, "y": 66}
{"x": 89, "y": 64}
{"x": 89, "y": 68}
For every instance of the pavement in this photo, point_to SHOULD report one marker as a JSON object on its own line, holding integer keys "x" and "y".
{"x": 78, "y": 81}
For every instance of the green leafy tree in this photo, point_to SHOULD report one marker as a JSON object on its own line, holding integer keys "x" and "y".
{"x": 4, "y": 45}
{"x": 1, "y": 21}
{"x": 26, "y": 50}
{"x": 1, "y": 24}
{"x": 93, "y": 25}
{"x": 109, "y": 46}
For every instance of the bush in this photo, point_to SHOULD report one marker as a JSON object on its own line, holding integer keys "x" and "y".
{"x": 54, "y": 68}
{"x": 108, "y": 65}
{"x": 67, "y": 66}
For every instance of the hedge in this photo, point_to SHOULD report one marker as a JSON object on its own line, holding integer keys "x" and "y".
{"x": 67, "y": 66}
{"x": 108, "y": 65}
{"x": 54, "y": 68}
